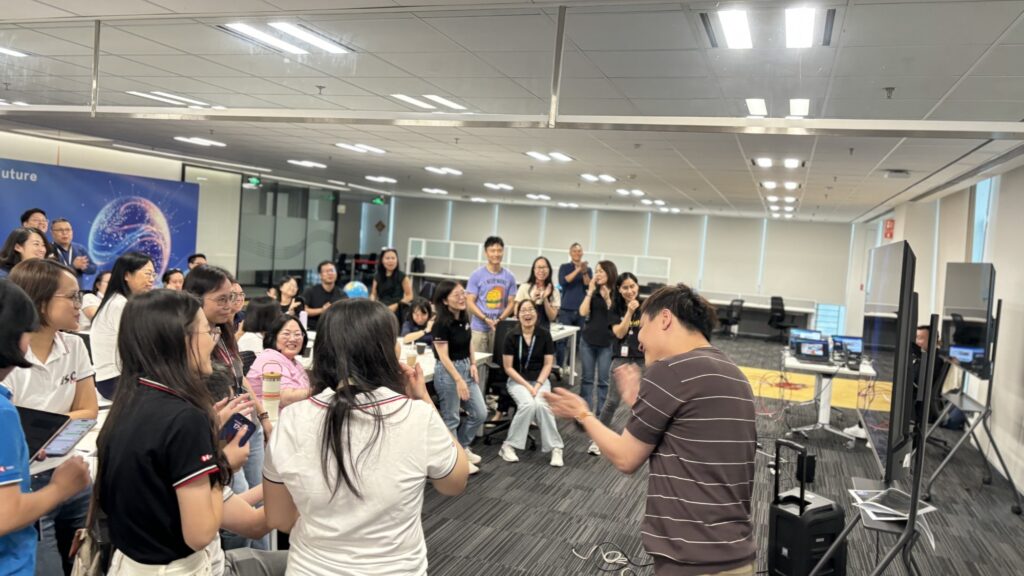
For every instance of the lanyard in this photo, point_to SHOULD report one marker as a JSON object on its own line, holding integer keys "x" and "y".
{"x": 71, "y": 255}
{"x": 529, "y": 353}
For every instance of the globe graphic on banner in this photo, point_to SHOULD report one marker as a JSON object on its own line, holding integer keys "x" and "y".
{"x": 356, "y": 289}
{"x": 130, "y": 224}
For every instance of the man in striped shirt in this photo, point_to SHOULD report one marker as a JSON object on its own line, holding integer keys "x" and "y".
{"x": 693, "y": 420}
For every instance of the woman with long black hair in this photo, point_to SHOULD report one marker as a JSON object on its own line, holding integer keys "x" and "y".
{"x": 133, "y": 274}
{"x": 345, "y": 471}
{"x": 627, "y": 330}
{"x": 161, "y": 470}
{"x": 540, "y": 290}
{"x": 23, "y": 244}
{"x": 390, "y": 285}
{"x": 598, "y": 339}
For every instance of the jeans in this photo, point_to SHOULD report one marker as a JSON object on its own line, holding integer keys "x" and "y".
{"x": 448, "y": 394}
{"x": 197, "y": 564}
{"x": 611, "y": 403}
{"x": 599, "y": 357}
{"x": 568, "y": 318}
{"x": 529, "y": 409}
{"x": 58, "y": 529}
{"x": 107, "y": 387}
{"x": 250, "y": 476}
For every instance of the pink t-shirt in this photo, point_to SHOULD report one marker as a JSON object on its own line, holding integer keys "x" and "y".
{"x": 293, "y": 375}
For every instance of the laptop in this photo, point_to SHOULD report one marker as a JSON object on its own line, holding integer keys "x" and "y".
{"x": 40, "y": 427}
{"x": 966, "y": 355}
{"x": 796, "y": 334}
{"x": 813, "y": 351}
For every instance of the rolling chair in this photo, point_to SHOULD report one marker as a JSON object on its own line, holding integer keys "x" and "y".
{"x": 427, "y": 290}
{"x": 731, "y": 317}
{"x": 777, "y": 319}
{"x": 497, "y": 381}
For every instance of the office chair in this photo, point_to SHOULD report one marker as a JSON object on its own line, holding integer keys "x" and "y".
{"x": 777, "y": 319}
{"x": 427, "y": 289}
{"x": 248, "y": 358}
{"x": 731, "y": 317}
{"x": 497, "y": 381}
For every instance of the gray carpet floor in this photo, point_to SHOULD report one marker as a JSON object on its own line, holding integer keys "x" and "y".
{"x": 528, "y": 518}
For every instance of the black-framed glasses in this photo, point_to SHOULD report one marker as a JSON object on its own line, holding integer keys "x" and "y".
{"x": 76, "y": 298}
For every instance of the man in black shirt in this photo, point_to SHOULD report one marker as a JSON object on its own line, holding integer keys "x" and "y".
{"x": 319, "y": 298}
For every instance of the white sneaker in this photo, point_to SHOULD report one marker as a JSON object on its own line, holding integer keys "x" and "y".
{"x": 556, "y": 458}
{"x": 593, "y": 449}
{"x": 473, "y": 469}
{"x": 856, "y": 432}
{"x": 473, "y": 458}
{"x": 508, "y": 453}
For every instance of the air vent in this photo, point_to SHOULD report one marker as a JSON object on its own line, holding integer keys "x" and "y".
{"x": 897, "y": 174}
{"x": 830, "y": 20}
{"x": 706, "y": 21}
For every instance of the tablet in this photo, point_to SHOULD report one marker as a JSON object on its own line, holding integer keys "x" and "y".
{"x": 69, "y": 437}
{"x": 40, "y": 427}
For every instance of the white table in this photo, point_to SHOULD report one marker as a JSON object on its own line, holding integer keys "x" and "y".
{"x": 561, "y": 332}
{"x": 823, "y": 375}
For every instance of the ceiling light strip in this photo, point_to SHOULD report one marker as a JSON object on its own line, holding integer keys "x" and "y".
{"x": 309, "y": 37}
{"x": 264, "y": 38}
{"x": 148, "y": 151}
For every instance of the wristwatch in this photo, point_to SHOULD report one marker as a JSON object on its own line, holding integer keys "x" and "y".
{"x": 583, "y": 416}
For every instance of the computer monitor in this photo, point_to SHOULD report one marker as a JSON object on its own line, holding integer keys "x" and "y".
{"x": 967, "y": 321}
{"x": 801, "y": 334}
{"x": 848, "y": 344}
{"x": 812, "y": 349}
{"x": 966, "y": 356}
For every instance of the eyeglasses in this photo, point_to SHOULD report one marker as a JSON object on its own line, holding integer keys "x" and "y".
{"x": 226, "y": 300}
{"x": 76, "y": 298}
{"x": 238, "y": 296}
{"x": 291, "y": 335}
{"x": 213, "y": 332}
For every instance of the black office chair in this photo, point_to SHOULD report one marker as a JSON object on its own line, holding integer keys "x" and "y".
{"x": 731, "y": 317}
{"x": 777, "y": 319}
{"x": 497, "y": 382}
{"x": 248, "y": 358}
{"x": 427, "y": 289}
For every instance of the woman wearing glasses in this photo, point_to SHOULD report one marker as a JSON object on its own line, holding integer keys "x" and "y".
{"x": 133, "y": 273}
{"x": 60, "y": 380}
{"x": 283, "y": 341}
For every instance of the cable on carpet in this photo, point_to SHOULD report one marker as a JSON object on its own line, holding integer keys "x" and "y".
{"x": 612, "y": 556}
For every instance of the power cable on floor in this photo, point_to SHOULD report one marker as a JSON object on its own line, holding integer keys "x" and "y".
{"x": 612, "y": 556}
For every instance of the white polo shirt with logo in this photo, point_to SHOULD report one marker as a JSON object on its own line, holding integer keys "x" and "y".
{"x": 380, "y": 533}
{"x": 51, "y": 385}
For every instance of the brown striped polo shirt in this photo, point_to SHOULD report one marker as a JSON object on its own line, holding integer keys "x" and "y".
{"x": 697, "y": 409}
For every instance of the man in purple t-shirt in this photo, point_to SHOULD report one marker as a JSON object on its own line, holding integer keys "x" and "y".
{"x": 491, "y": 292}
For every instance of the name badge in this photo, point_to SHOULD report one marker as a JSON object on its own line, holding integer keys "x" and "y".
{"x": 624, "y": 351}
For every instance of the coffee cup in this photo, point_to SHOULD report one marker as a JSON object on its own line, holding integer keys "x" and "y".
{"x": 421, "y": 348}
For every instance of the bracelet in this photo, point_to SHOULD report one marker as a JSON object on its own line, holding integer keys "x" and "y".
{"x": 263, "y": 416}
{"x": 583, "y": 416}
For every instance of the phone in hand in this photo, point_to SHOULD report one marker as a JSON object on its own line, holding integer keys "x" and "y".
{"x": 234, "y": 424}
{"x": 70, "y": 436}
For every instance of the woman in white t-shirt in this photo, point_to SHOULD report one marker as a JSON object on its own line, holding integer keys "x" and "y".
{"x": 260, "y": 315}
{"x": 345, "y": 471}
{"x": 133, "y": 273}
{"x": 60, "y": 380}
{"x": 91, "y": 301}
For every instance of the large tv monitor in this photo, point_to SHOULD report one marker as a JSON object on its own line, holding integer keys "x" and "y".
{"x": 967, "y": 323}
{"x": 890, "y": 317}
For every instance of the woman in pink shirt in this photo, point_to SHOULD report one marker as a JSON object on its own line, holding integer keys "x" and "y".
{"x": 285, "y": 340}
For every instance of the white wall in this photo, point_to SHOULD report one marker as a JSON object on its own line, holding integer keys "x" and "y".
{"x": 917, "y": 223}
{"x": 796, "y": 250}
{"x": 220, "y": 196}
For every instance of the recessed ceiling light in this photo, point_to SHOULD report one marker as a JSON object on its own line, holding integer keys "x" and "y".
{"x": 443, "y": 170}
{"x": 372, "y": 149}
{"x": 622, "y": 192}
{"x": 790, "y": 185}
{"x": 351, "y": 147}
{"x": 563, "y": 205}
{"x": 636, "y": 192}
{"x": 789, "y": 208}
{"x": 799, "y": 107}
{"x": 590, "y": 177}
{"x": 799, "y": 27}
{"x": 573, "y": 205}
{"x": 736, "y": 29}
{"x": 478, "y": 200}
{"x": 307, "y": 164}
{"x": 560, "y": 157}
{"x": 182, "y": 98}
{"x": 647, "y": 202}
{"x": 382, "y": 179}
{"x": 437, "y": 191}
{"x": 776, "y": 215}
{"x": 200, "y": 141}
{"x": 663, "y": 209}
{"x": 789, "y": 199}
{"x": 413, "y": 101}
{"x": 444, "y": 101}
{"x": 607, "y": 178}
{"x": 538, "y": 197}
{"x": 769, "y": 185}
{"x": 791, "y": 163}
{"x": 10, "y": 52}
{"x": 499, "y": 186}
{"x": 310, "y": 37}
{"x": 20, "y": 103}
{"x": 659, "y": 202}
{"x": 264, "y": 38}
{"x": 2, "y": 103}
{"x": 539, "y": 156}
{"x": 757, "y": 107}
{"x": 772, "y": 198}
{"x": 157, "y": 98}
{"x": 789, "y": 216}
{"x": 774, "y": 208}
{"x": 675, "y": 210}
{"x": 219, "y": 107}
{"x": 763, "y": 162}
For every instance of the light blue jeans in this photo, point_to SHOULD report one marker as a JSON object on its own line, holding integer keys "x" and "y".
{"x": 599, "y": 358}
{"x": 611, "y": 403}
{"x": 250, "y": 476}
{"x": 529, "y": 409}
{"x": 58, "y": 527}
{"x": 447, "y": 392}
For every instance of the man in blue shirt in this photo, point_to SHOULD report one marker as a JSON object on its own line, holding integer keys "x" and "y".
{"x": 72, "y": 255}
{"x": 20, "y": 508}
{"x": 573, "y": 278}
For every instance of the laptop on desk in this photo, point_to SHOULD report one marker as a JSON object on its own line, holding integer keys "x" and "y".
{"x": 812, "y": 351}
{"x": 797, "y": 334}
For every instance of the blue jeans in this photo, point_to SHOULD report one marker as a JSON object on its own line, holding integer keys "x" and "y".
{"x": 58, "y": 528}
{"x": 568, "y": 318}
{"x": 611, "y": 403}
{"x": 448, "y": 394}
{"x": 250, "y": 476}
{"x": 599, "y": 357}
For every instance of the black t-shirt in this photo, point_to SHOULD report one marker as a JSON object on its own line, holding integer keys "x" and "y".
{"x": 316, "y": 297}
{"x": 631, "y": 341}
{"x": 298, "y": 307}
{"x": 528, "y": 357}
{"x": 458, "y": 336}
{"x": 160, "y": 445}
{"x": 389, "y": 289}
{"x": 598, "y": 329}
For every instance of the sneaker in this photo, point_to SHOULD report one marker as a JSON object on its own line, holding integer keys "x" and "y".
{"x": 556, "y": 458}
{"x": 508, "y": 453}
{"x": 473, "y": 458}
{"x": 473, "y": 469}
{"x": 593, "y": 449}
{"x": 856, "y": 432}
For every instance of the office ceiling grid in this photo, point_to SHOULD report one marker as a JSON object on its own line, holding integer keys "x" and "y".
{"x": 945, "y": 61}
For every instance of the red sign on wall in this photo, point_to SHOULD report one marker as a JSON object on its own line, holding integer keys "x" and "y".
{"x": 888, "y": 229}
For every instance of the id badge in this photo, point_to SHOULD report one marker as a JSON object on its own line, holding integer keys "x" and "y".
{"x": 624, "y": 352}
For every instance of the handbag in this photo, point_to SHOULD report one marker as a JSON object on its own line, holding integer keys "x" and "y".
{"x": 91, "y": 547}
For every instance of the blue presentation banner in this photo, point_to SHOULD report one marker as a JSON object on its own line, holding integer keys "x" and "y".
{"x": 110, "y": 213}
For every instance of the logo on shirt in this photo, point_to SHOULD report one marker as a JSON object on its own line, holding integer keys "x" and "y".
{"x": 494, "y": 299}
{"x": 6, "y": 469}
{"x": 69, "y": 379}
{"x": 206, "y": 457}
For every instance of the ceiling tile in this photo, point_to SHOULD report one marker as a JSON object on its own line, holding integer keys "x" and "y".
{"x": 989, "y": 111}
{"x": 439, "y": 64}
{"x": 928, "y": 24}
{"x": 668, "y": 88}
{"x": 38, "y": 43}
{"x": 669, "y": 30}
{"x": 772, "y": 62}
{"x": 907, "y": 60}
{"x": 404, "y": 34}
{"x": 650, "y": 64}
{"x": 538, "y": 64}
{"x": 497, "y": 33}
{"x": 482, "y": 88}
{"x": 201, "y": 39}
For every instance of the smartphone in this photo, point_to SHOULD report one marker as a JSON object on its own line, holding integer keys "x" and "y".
{"x": 236, "y": 423}
{"x": 71, "y": 435}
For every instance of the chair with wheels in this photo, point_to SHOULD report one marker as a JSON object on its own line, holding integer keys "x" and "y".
{"x": 778, "y": 320}
{"x": 731, "y": 317}
{"x": 497, "y": 382}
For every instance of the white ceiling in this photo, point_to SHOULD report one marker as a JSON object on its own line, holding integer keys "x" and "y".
{"x": 960, "y": 61}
